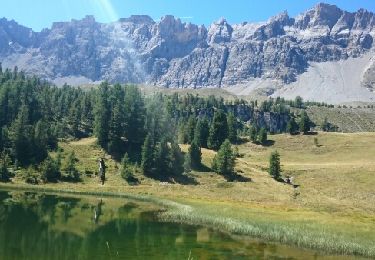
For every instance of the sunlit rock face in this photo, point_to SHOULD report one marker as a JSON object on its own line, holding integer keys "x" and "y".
{"x": 171, "y": 53}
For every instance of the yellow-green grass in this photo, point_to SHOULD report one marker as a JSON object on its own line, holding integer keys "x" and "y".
{"x": 332, "y": 209}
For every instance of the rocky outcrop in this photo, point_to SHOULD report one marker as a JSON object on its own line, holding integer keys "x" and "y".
{"x": 171, "y": 53}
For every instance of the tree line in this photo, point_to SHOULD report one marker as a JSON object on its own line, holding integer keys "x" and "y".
{"x": 143, "y": 132}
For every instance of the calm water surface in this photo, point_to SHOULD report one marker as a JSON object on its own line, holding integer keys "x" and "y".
{"x": 43, "y": 226}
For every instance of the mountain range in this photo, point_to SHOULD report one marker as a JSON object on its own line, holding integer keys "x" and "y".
{"x": 324, "y": 54}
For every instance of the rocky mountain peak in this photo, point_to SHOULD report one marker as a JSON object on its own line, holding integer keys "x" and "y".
{"x": 220, "y": 32}
{"x": 320, "y": 15}
{"x": 172, "y": 53}
{"x": 138, "y": 19}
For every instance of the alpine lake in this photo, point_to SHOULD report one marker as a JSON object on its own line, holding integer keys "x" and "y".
{"x": 40, "y": 226}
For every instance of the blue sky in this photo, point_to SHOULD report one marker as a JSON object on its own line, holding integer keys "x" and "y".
{"x": 39, "y": 14}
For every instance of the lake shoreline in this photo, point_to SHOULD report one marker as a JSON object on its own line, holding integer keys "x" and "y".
{"x": 199, "y": 213}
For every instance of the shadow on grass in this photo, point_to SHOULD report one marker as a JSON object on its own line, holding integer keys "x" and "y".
{"x": 268, "y": 143}
{"x": 311, "y": 133}
{"x": 132, "y": 181}
{"x": 185, "y": 179}
{"x": 235, "y": 177}
{"x": 182, "y": 179}
{"x": 203, "y": 168}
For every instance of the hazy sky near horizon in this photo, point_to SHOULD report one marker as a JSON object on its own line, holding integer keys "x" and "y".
{"x": 39, "y": 14}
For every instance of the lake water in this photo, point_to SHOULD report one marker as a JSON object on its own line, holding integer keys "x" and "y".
{"x": 44, "y": 226}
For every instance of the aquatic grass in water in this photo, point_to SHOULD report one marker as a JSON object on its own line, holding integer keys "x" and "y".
{"x": 301, "y": 234}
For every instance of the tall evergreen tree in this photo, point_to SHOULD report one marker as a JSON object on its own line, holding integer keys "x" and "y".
{"x": 116, "y": 130}
{"x": 102, "y": 115}
{"x": 190, "y": 127}
{"x": 177, "y": 159}
{"x": 147, "y": 163}
{"x": 304, "y": 123}
{"x": 253, "y": 133}
{"x": 195, "y": 155}
{"x": 162, "y": 159}
{"x": 4, "y": 172}
{"x": 274, "y": 168}
{"x": 218, "y": 130}
{"x": 21, "y": 138}
{"x": 135, "y": 118}
{"x": 126, "y": 171}
{"x": 201, "y": 132}
{"x": 262, "y": 136}
{"x": 224, "y": 160}
{"x": 232, "y": 128}
{"x": 292, "y": 126}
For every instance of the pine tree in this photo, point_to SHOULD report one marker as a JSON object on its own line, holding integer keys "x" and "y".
{"x": 126, "y": 169}
{"x": 102, "y": 115}
{"x": 162, "y": 159}
{"x": 304, "y": 123}
{"x": 135, "y": 119}
{"x": 224, "y": 160}
{"x": 201, "y": 132}
{"x": 116, "y": 129}
{"x": 275, "y": 169}
{"x": 253, "y": 134}
{"x": 218, "y": 130}
{"x": 74, "y": 118}
{"x": 232, "y": 128}
{"x": 195, "y": 155}
{"x": 21, "y": 137}
{"x": 147, "y": 162}
{"x": 262, "y": 136}
{"x": 292, "y": 126}
{"x": 177, "y": 159}
{"x": 41, "y": 138}
{"x": 187, "y": 163}
{"x": 4, "y": 172}
{"x": 190, "y": 127}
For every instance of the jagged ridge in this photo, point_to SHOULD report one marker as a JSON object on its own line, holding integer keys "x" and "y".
{"x": 174, "y": 54}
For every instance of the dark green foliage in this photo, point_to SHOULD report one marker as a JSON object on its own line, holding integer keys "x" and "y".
{"x": 102, "y": 115}
{"x": 5, "y": 175}
{"x": 262, "y": 136}
{"x": 218, "y": 130}
{"x": 135, "y": 119}
{"x": 187, "y": 163}
{"x": 190, "y": 127}
{"x": 69, "y": 168}
{"x": 177, "y": 159}
{"x": 224, "y": 160}
{"x": 304, "y": 123}
{"x": 201, "y": 132}
{"x": 126, "y": 170}
{"x": 21, "y": 138}
{"x": 147, "y": 162}
{"x": 292, "y": 126}
{"x": 162, "y": 159}
{"x": 232, "y": 128}
{"x": 50, "y": 171}
{"x": 274, "y": 168}
{"x": 195, "y": 155}
{"x": 253, "y": 133}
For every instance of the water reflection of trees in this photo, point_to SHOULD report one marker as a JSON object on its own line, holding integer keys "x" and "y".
{"x": 39, "y": 226}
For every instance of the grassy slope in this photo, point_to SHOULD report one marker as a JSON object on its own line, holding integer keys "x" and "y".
{"x": 333, "y": 209}
{"x": 346, "y": 119}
